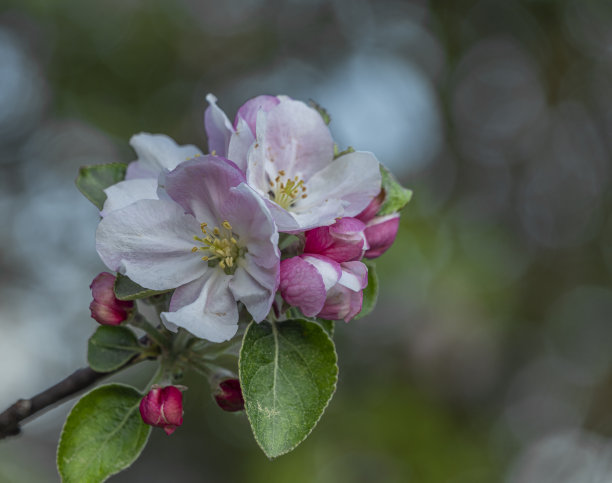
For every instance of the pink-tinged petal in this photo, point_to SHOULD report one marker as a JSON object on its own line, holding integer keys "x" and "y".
{"x": 380, "y": 233}
{"x": 150, "y": 241}
{"x": 105, "y": 314}
{"x": 256, "y": 298}
{"x": 163, "y": 408}
{"x": 157, "y": 152}
{"x": 354, "y": 276}
{"x": 205, "y": 307}
{"x": 127, "y": 192}
{"x": 295, "y": 139}
{"x": 218, "y": 127}
{"x": 343, "y": 241}
{"x": 301, "y": 285}
{"x": 248, "y": 111}
{"x": 341, "y": 303}
{"x": 239, "y": 145}
{"x": 329, "y": 270}
{"x": 353, "y": 178}
{"x": 202, "y": 185}
{"x": 373, "y": 208}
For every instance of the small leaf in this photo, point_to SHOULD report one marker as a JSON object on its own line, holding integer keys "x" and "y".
{"x": 288, "y": 374}
{"x": 103, "y": 435}
{"x": 327, "y": 325}
{"x": 396, "y": 196}
{"x": 93, "y": 180}
{"x": 370, "y": 293}
{"x": 110, "y": 347}
{"x": 126, "y": 289}
{"x": 321, "y": 110}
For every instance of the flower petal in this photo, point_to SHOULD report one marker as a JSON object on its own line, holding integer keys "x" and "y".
{"x": 155, "y": 153}
{"x": 341, "y": 303}
{"x": 294, "y": 139}
{"x": 127, "y": 192}
{"x": 254, "y": 295}
{"x": 202, "y": 185}
{"x": 354, "y": 276}
{"x": 353, "y": 178}
{"x": 248, "y": 111}
{"x": 218, "y": 127}
{"x": 205, "y": 307}
{"x": 301, "y": 285}
{"x": 150, "y": 241}
{"x": 329, "y": 270}
{"x": 380, "y": 232}
{"x": 239, "y": 144}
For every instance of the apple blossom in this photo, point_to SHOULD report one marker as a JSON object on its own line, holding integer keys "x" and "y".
{"x": 287, "y": 153}
{"x": 228, "y": 395}
{"x": 380, "y": 231}
{"x": 213, "y": 240}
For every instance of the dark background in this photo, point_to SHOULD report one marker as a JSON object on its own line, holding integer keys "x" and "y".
{"x": 489, "y": 355}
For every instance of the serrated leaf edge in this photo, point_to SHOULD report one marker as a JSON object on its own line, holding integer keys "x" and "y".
{"x": 128, "y": 462}
{"x": 289, "y": 450}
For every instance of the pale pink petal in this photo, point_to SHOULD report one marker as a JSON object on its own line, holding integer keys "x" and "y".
{"x": 150, "y": 241}
{"x": 353, "y": 178}
{"x": 201, "y": 186}
{"x": 249, "y": 290}
{"x": 205, "y": 307}
{"x": 239, "y": 145}
{"x": 157, "y": 152}
{"x": 295, "y": 139}
{"x": 127, "y": 192}
{"x": 218, "y": 127}
{"x": 248, "y": 111}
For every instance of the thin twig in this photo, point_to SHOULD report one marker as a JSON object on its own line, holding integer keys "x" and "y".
{"x": 76, "y": 382}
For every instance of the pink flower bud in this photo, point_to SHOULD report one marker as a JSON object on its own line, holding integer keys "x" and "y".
{"x": 373, "y": 208}
{"x": 229, "y": 395}
{"x": 105, "y": 307}
{"x": 344, "y": 241}
{"x": 380, "y": 232}
{"x": 163, "y": 408}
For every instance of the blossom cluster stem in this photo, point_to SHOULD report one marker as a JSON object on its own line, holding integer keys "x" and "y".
{"x": 12, "y": 418}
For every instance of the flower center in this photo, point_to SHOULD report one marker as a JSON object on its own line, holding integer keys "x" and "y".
{"x": 286, "y": 191}
{"x": 221, "y": 247}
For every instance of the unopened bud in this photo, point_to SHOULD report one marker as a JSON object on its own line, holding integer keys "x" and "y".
{"x": 380, "y": 233}
{"x": 373, "y": 208}
{"x": 105, "y": 308}
{"x": 229, "y": 395}
{"x": 163, "y": 408}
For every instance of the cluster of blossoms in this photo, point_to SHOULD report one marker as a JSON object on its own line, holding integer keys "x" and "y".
{"x": 272, "y": 210}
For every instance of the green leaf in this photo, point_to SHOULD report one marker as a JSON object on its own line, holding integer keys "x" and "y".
{"x": 103, "y": 435}
{"x": 321, "y": 110}
{"x": 327, "y": 325}
{"x": 288, "y": 374}
{"x": 396, "y": 196}
{"x": 370, "y": 293}
{"x": 125, "y": 289}
{"x": 110, "y": 347}
{"x": 93, "y": 180}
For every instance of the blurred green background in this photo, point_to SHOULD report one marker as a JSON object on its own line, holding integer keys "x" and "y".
{"x": 489, "y": 355}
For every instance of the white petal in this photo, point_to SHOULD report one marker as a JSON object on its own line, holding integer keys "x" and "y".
{"x": 127, "y": 192}
{"x": 150, "y": 241}
{"x": 205, "y": 307}
{"x": 239, "y": 144}
{"x": 353, "y": 178}
{"x": 256, "y": 298}
{"x": 330, "y": 271}
{"x": 158, "y": 151}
